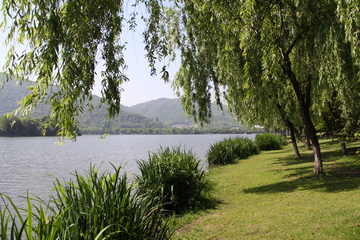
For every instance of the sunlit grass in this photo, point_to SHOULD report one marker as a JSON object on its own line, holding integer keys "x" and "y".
{"x": 274, "y": 195}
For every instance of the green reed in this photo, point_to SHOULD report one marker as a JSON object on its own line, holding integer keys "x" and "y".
{"x": 228, "y": 150}
{"x": 96, "y": 206}
{"x": 268, "y": 141}
{"x": 173, "y": 175}
{"x": 12, "y": 228}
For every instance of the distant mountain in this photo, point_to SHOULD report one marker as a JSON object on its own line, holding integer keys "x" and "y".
{"x": 170, "y": 112}
{"x": 90, "y": 122}
{"x": 11, "y": 95}
{"x": 126, "y": 119}
{"x": 153, "y": 114}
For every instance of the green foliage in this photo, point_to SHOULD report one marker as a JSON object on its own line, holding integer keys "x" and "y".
{"x": 97, "y": 206}
{"x": 96, "y": 122}
{"x": 65, "y": 42}
{"x": 265, "y": 54}
{"x": 268, "y": 141}
{"x": 228, "y": 150}
{"x": 9, "y": 225}
{"x": 175, "y": 177}
{"x": 11, "y": 125}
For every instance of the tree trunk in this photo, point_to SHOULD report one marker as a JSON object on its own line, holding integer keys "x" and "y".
{"x": 306, "y": 144}
{"x": 291, "y": 127}
{"x": 343, "y": 147}
{"x": 304, "y": 100}
{"x": 307, "y": 138}
{"x": 293, "y": 139}
{"x": 310, "y": 129}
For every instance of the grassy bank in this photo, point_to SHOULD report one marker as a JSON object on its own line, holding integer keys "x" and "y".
{"x": 275, "y": 196}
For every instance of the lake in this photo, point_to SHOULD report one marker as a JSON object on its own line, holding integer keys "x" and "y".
{"x": 32, "y": 163}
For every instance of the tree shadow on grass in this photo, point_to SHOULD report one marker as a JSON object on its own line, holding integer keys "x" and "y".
{"x": 282, "y": 151}
{"x": 352, "y": 150}
{"x": 290, "y": 159}
{"x": 295, "y": 172}
{"x": 327, "y": 183}
{"x": 207, "y": 200}
{"x": 208, "y": 203}
{"x": 345, "y": 177}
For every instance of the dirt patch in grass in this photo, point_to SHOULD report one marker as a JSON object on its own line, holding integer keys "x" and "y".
{"x": 185, "y": 228}
{"x": 196, "y": 222}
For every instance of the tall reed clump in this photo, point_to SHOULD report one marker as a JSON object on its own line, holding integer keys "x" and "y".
{"x": 97, "y": 206}
{"x": 173, "y": 175}
{"x": 229, "y": 149}
{"x": 13, "y": 224}
{"x": 268, "y": 141}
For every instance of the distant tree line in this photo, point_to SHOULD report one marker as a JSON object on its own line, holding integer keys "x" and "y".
{"x": 96, "y": 122}
{"x": 165, "y": 130}
{"x": 25, "y": 126}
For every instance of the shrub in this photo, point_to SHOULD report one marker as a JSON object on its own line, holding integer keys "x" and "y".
{"x": 174, "y": 176}
{"x": 98, "y": 206}
{"x": 229, "y": 149}
{"x": 268, "y": 141}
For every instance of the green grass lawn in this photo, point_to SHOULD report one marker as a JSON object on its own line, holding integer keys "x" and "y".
{"x": 274, "y": 195}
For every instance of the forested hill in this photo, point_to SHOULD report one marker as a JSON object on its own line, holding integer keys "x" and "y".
{"x": 10, "y": 96}
{"x": 170, "y": 112}
{"x": 152, "y": 114}
{"x": 90, "y": 122}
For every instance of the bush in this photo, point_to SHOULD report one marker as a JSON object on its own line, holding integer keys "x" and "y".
{"x": 268, "y": 141}
{"x": 94, "y": 207}
{"x": 174, "y": 176}
{"x": 226, "y": 151}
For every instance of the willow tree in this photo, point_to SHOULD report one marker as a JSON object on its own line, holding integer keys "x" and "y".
{"x": 64, "y": 42}
{"x": 241, "y": 50}
{"x": 245, "y": 49}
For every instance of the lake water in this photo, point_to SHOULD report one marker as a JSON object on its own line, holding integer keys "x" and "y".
{"x": 32, "y": 163}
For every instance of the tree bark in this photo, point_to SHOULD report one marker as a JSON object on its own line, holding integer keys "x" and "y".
{"x": 318, "y": 167}
{"x": 343, "y": 147}
{"x": 304, "y": 108}
{"x": 293, "y": 139}
{"x": 291, "y": 127}
{"x": 298, "y": 136}
{"x": 307, "y": 137}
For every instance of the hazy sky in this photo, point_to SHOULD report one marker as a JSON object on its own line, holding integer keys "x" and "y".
{"x": 141, "y": 87}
